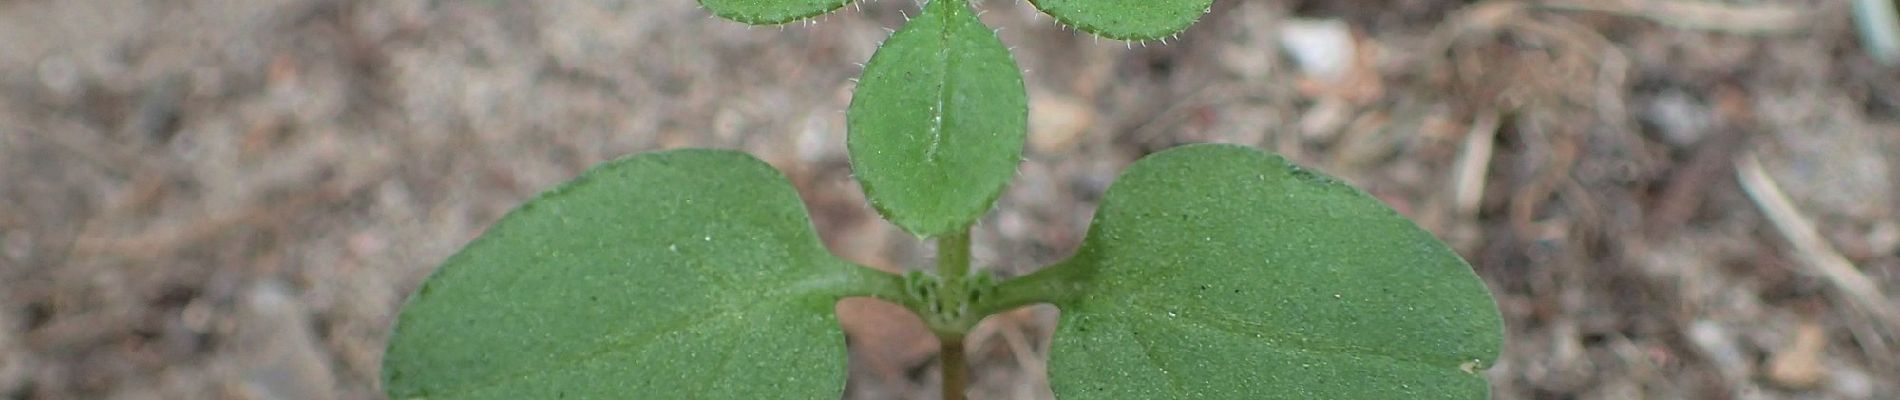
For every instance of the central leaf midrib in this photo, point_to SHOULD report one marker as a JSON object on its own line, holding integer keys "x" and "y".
{"x": 944, "y": 61}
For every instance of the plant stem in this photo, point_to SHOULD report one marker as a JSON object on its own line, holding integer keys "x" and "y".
{"x": 953, "y": 268}
{"x": 953, "y": 256}
{"x": 955, "y": 372}
{"x": 1053, "y": 284}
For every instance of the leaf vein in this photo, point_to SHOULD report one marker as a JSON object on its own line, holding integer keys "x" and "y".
{"x": 1228, "y": 327}
{"x": 1148, "y": 352}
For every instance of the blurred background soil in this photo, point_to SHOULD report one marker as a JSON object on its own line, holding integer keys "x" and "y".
{"x": 230, "y": 198}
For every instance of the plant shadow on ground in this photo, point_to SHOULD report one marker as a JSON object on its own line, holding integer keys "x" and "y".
{"x": 210, "y": 199}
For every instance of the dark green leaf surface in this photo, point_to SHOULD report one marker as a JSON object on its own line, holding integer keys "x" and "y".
{"x": 767, "y": 12}
{"x": 681, "y": 274}
{"x": 1220, "y": 272}
{"x": 1126, "y": 19}
{"x": 938, "y": 121}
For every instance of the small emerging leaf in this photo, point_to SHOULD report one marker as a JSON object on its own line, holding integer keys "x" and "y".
{"x": 1220, "y": 272}
{"x": 1126, "y": 19}
{"x": 938, "y": 121}
{"x": 769, "y": 12}
{"x": 682, "y": 274}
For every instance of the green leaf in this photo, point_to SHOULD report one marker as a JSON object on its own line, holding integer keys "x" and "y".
{"x": 1126, "y": 19}
{"x": 938, "y": 121}
{"x": 681, "y": 274}
{"x": 1219, "y": 272}
{"x": 770, "y": 12}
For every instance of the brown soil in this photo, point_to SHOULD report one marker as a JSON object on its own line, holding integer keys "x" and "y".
{"x": 230, "y": 198}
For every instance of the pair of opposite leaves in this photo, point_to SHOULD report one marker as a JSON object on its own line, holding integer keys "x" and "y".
{"x": 1209, "y": 272}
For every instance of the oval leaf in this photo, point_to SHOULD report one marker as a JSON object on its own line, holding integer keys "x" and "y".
{"x": 683, "y": 274}
{"x": 1219, "y": 272}
{"x": 1126, "y": 19}
{"x": 769, "y": 12}
{"x": 938, "y": 121}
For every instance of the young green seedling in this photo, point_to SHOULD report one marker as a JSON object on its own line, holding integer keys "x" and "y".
{"x": 1210, "y": 271}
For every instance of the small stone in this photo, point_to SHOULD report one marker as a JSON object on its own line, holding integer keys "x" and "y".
{"x": 278, "y": 354}
{"x": 1884, "y": 238}
{"x": 1849, "y": 383}
{"x": 1057, "y": 122}
{"x": 60, "y": 75}
{"x": 1324, "y": 48}
{"x": 1798, "y": 364}
{"x": 818, "y": 141}
{"x": 1679, "y": 117}
{"x": 1833, "y": 165}
{"x": 1718, "y": 344}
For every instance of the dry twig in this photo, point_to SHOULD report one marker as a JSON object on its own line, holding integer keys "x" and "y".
{"x": 1879, "y": 29}
{"x": 1474, "y": 163}
{"x": 1853, "y": 287}
{"x": 1748, "y": 19}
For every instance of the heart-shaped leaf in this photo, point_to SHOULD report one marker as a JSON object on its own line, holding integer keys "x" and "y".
{"x": 1220, "y": 272}
{"x": 682, "y": 274}
{"x": 938, "y": 122}
{"x": 769, "y": 12}
{"x": 1126, "y": 19}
